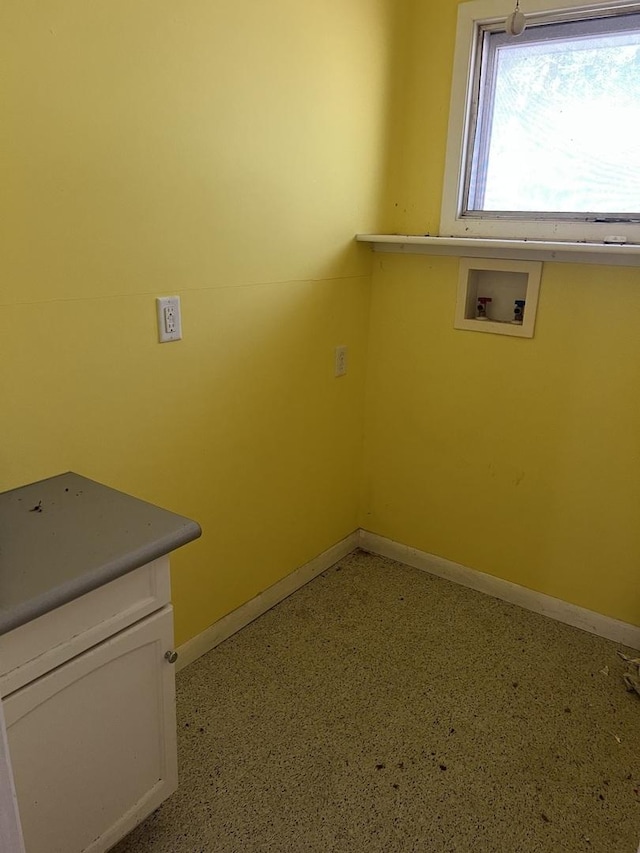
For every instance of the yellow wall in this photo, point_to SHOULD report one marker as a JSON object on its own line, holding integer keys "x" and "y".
{"x": 516, "y": 457}
{"x": 226, "y": 152}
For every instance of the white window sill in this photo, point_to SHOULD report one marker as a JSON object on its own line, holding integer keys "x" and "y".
{"x": 613, "y": 254}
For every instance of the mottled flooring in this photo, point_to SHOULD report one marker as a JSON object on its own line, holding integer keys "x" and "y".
{"x": 382, "y": 709}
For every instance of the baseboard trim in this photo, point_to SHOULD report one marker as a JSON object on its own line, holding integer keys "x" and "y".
{"x": 246, "y": 613}
{"x": 538, "y": 602}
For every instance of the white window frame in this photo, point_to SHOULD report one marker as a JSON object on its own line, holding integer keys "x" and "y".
{"x": 472, "y": 16}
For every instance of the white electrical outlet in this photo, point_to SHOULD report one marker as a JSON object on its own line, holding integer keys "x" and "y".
{"x": 341, "y": 361}
{"x": 169, "y": 320}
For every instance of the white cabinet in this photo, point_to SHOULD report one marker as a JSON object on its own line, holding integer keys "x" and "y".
{"x": 10, "y": 828}
{"x": 93, "y": 739}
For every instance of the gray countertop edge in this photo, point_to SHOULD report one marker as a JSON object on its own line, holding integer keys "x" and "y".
{"x": 97, "y": 577}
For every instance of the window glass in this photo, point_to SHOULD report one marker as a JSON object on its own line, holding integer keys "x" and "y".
{"x": 558, "y": 126}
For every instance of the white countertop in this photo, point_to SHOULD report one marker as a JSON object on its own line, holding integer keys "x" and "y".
{"x": 67, "y": 535}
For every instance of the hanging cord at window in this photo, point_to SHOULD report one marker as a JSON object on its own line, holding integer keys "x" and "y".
{"x": 515, "y": 23}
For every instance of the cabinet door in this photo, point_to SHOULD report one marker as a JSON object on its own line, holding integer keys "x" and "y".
{"x": 93, "y": 744}
{"x": 10, "y": 827}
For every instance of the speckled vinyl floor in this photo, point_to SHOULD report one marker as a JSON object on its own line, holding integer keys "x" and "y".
{"x": 382, "y": 709}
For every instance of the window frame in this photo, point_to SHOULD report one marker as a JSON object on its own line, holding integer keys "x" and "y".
{"x": 473, "y": 18}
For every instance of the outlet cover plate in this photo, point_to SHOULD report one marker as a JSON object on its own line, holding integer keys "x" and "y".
{"x": 169, "y": 318}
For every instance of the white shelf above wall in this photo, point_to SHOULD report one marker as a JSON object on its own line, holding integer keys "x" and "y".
{"x": 613, "y": 254}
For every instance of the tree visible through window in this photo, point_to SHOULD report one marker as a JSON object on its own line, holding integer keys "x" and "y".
{"x": 559, "y": 120}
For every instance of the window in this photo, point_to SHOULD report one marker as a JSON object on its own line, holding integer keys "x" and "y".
{"x": 544, "y": 132}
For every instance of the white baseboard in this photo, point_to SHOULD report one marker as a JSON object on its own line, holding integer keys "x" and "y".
{"x": 538, "y": 602}
{"x": 554, "y": 608}
{"x": 246, "y": 613}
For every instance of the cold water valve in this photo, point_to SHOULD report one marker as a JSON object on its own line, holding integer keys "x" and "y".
{"x": 518, "y": 311}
